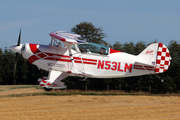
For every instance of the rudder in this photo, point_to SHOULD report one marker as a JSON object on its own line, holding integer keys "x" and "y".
{"x": 156, "y": 54}
{"x": 163, "y": 59}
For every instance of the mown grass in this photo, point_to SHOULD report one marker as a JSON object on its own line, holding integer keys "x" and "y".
{"x": 24, "y": 87}
{"x": 38, "y": 92}
{"x": 79, "y": 92}
{"x": 74, "y": 92}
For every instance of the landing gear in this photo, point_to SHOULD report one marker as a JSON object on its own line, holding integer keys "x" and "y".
{"x": 162, "y": 80}
{"x": 47, "y": 89}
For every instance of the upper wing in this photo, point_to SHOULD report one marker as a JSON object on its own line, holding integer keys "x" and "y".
{"x": 67, "y": 37}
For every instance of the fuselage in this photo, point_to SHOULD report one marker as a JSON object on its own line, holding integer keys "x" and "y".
{"x": 89, "y": 60}
{"x": 115, "y": 64}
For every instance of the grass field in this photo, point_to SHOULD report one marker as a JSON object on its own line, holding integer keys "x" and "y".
{"x": 32, "y": 102}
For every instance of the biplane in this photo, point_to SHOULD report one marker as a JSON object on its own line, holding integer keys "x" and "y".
{"x": 89, "y": 60}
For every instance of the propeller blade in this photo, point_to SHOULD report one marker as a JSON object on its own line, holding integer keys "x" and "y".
{"x": 19, "y": 39}
{"x": 16, "y": 59}
{"x": 17, "y": 54}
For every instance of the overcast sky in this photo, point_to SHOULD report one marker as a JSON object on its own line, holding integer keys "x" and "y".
{"x": 121, "y": 20}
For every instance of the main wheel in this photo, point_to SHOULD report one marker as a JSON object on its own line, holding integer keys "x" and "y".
{"x": 47, "y": 89}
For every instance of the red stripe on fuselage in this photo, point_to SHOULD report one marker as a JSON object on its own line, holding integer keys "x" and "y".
{"x": 32, "y": 59}
{"x": 113, "y": 51}
{"x": 77, "y": 61}
{"x": 56, "y": 57}
{"x": 77, "y": 58}
{"x": 86, "y": 59}
{"x": 34, "y": 48}
{"x": 91, "y": 63}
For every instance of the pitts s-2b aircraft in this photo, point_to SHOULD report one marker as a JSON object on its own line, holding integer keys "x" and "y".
{"x": 89, "y": 60}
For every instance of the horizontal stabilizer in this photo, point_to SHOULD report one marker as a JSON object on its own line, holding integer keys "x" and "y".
{"x": 143, "y": 66}
{"x": 157, "y": 55}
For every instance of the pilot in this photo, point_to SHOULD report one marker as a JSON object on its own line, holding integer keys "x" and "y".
{"x": 102, "y": 51}
{"x": 82, "y": 50}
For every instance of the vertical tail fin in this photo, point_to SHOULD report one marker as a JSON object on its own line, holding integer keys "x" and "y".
{"x": 156, "y": 54}
{"x": 163, "y": 58}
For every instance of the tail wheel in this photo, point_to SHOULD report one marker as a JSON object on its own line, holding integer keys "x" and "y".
{"x": 47, "y": 89}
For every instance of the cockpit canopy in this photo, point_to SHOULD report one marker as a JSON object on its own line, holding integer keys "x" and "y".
{"x": 93, "y": 48}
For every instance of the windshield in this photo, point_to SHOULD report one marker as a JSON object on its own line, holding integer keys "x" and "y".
{"x": 93, "y": 48}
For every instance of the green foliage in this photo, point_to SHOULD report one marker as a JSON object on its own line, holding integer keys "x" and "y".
{"x": 90, "y": 33}
{"x": 28, "y": 74}
{"x": 1, "y": 65}
{"x": 117, "y": 46}
{"x": 129, "y": 48}
{"x": 25, "y": 73}
{"x": 7, "y": 67}
{"x": 139, "y": 47}
{"x": 174, "y": 70}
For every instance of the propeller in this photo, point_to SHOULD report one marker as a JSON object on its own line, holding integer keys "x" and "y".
{"x": 17, "y": 54}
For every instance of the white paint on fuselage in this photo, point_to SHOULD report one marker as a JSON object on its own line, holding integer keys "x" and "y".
{"x": 103, "y": 72}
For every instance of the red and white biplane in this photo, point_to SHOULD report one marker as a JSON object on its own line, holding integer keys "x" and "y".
{"x": 90, "y": 60}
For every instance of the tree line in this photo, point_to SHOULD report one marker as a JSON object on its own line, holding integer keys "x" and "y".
{"x": 27, "y": 73}
{"x": 168, "y": 81}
